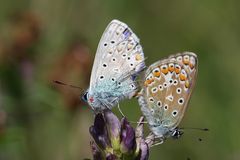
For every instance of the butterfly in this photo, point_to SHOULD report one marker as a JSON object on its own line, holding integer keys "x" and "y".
{"x": 164, "y": 97}
{"x": 119, "y": 59}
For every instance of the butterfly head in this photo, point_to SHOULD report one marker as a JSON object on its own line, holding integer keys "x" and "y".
{"x": 88, "y": 98}
{"x": 176, "y": 133}
{"x": 93, "y": 101}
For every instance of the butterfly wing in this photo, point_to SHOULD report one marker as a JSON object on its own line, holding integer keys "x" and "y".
{"x": 167, "y": 89}
{"x": 118, "y": 59}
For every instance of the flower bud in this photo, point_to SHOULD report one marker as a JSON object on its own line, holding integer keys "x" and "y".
{"x": 111, "y": 157}
{"x": 128, "y": 142}
{"x": 99, "y": 132}
{"x": 114, "y": 128}
{"x": 97, "y": 155}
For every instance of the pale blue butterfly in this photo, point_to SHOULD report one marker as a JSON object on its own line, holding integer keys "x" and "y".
{"x": 164, "y": 97}
{"x": 119, "y": 59}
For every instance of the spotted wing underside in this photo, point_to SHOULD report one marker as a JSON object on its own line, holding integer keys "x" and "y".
{"x": 167, "y": 89}
{"x": 119, "y": 58}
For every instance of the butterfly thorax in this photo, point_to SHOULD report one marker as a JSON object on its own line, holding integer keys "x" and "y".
{"x": 159, "y": 131}
{"x": 102, "y": 100}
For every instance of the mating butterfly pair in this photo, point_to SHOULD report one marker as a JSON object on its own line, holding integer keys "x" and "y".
{"x": 167, "y": 87}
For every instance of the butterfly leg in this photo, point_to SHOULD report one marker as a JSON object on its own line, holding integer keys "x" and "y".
{"x": 120, "y": 110}
{"x": 156, "y": 144}
{"x": 152, "y": 140}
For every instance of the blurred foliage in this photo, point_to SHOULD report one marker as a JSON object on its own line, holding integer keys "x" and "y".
{"x": 41, "y": 41}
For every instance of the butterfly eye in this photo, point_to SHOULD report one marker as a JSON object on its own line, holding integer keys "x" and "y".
{"x": 85, "y": 97}
{"x": 177, "y": 134}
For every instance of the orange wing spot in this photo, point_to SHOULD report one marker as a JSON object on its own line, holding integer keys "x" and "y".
{"x": 171, "y": 68}
{"x": 186, "y": 61}
{"x": 187, "y": 84}
{"x": 164, "y": 70}
{"x": 182, "y": 77}
{"x": 191, "y": 65}
{"x": 149, "y": 81}
{"x": 152, "y": 80}
{"x": 177, "y": 70}
{"x": 138, "y": 57}
{"x": 156, "y": 74}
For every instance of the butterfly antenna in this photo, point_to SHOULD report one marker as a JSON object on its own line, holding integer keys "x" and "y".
{"x": 192, "y": 128}
{"x": 200, "y": 129}
{"x": 69, "y": 85}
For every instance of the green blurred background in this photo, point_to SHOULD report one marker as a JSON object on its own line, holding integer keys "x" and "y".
{"x": 42, "y": 40}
